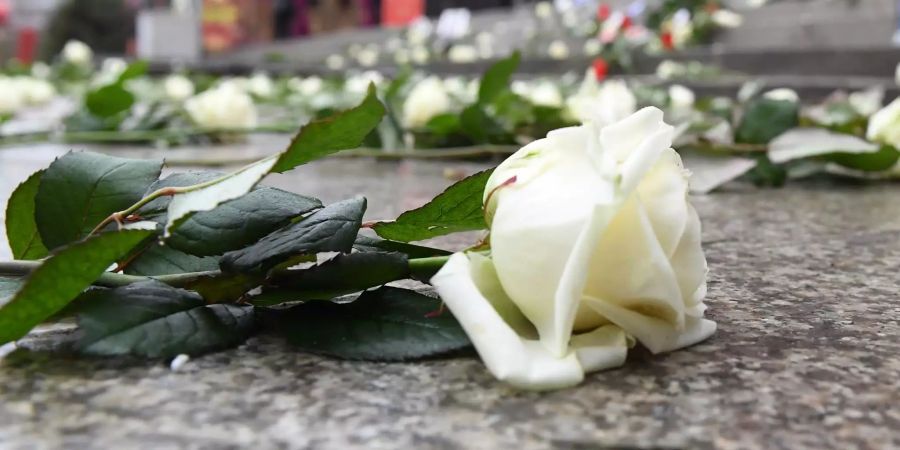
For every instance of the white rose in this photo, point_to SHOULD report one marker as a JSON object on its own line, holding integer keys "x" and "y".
{"x": 261, "y": 85}
{"x": 335, "y": 62}
{"x": 223, "y": 107}
{"x": 462, "y": 54}
{"x": 543, "y": 10}
{"x": 681, "y": 99}
{"x": 604, "y": 103}
{"x": 867, "y": 102}
{"x": 592, "y": 47}
{"x": 368, "y": 57}
{"x": 544, "y": 93}
{"x": 40, "y": 70}
{"x": 669, "y": 69}
{"x": 593, "y": 242}
{"x": 783, "y": 94}
{"x": 419, "y": 55}
{"x": 884, "y": 125}
{"x": 306, "y": 86}
{"x": 11, "y": 96}
{"x": 77, "y": 52}
{"x": 36, "y": 91}
{"x": 558, "y": 50}
{"x": 427, "y": 99}
{"x": 178, "y": 87}
{"x": 358, "y": 85}
{"x": 727, "y": 19}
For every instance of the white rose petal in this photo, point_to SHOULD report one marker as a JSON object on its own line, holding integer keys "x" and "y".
{"x": 727, "y": 19}
{"x": 592, "y": 240}
{"x": 681, "y": 100}
{"x": 601, "y": 103}
{"x": 77, "y": 52}
{"x": 884, "y": 125}
{"x": 178, "y": 87}
{"x": 558, "y": 50}
{"x": 427, "y": 99}
{"x": 783, "y": 94}
{"x": 462, "y": 54}
{"x": 261, "y": 85}
{"x": 223, "y": 107}
{"x": 867, "y": 102}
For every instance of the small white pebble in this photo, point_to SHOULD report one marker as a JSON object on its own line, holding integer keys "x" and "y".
{"x": 179, "y": 361}
{"x": 7, "y": 349}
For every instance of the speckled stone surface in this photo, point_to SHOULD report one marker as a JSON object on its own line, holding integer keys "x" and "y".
{"x": 804, "y": 283}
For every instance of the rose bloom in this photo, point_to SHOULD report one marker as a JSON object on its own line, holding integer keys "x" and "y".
{"x": 77, "y": 52}
{"x": 178, "y": 87}
{"x": 603, "y": 103}
{"x": 884, "y": 125}
{"x": 428, "y": 98}
{"x": 223, "y": 107}
{"x": 594, "y": 245}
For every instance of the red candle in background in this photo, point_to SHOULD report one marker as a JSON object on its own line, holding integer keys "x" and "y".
{"x": 603, "y": 12}
{"x": 26, "y": 45}
{"x": 601, "y": 68}
{"x": 667, "y": 42}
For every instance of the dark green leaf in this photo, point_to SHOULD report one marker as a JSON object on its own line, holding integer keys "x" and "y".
{"x": 79, "y": 190}
{"x": 454, "y": 210}
{"x": 497, "y": 78}
{"x": 374, "y": 244}
{"x": 234, "y": 224}
{"x": 165, "y": 260}
{"x": 767, "y": 174}
{"x": 21, "y": 229}
{"x": 883, "y": 159}
{"x": 345, "y": 130}
{"x": 224, "y": 288}
{"x": 342, "y": 275}
{"x": 764, "y": 119}
{"x": 61, "y": 278}
{"x": 109, "y": 100}
{"x": 388, "y": 324}
{"x": 155, "y": 320}
{"x": 444, "y": 124}
{"x": 332, "y": 229}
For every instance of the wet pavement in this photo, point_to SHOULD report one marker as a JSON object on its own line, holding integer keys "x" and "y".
{"x": 804, "y": 284}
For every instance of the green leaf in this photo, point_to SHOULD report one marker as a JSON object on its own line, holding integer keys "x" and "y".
{"x": 21, "y": 229}
{"x": 234, "y": 224}
{"x": 342, "y": 275}
{"x": 79, "y": 190}
{"x": 109, "y": 100}
{"x": 444, "y": 124}
{"x": 388, "y": 324}
{"x": 764, "y": 119}
{"x": 134, "y": 70}
{"x": 317, "y": 139}
{"x": 765, "y": 173}
{"x": 343, "y": 131}
{"x": 456, "y": 209}
{"x": 885, "y": 158}
{"x": 164, "y": 260}
{"x": 332, "y": 229}
{"x": 155, "y": 320}
{"x": 61, "y": 278}
{"x": 497, "y": 78}
{"x": 374, "y": 244}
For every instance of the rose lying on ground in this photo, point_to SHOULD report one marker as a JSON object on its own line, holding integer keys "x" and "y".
{"x": 593, "y": 244}
{"x": 884, "y": 125}
{"x": 222, "y": 107}
{"x": 605, "y": 103}
{"x": 427, "y": 99}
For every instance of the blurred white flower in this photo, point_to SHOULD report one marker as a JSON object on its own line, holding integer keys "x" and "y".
{"x": 783, "y": 94}
{"x": 419, "y": 55}
{"x": 357, "y": 85}
{"x": 335, "y": 62}
{"x": 36, "y": 91}
{"x": 427, "y": 99}
{"x": 222, "y": 107}
{"x": 462, "y": 54}
{"x": 178, "y": 87}
{"x": 401, "y": 56}
{"x": 669, "y": 69}
{"x": 592, "y": 47}
{"x": 77, "y": 52}
{"x": 459, "y": 88}
{"x": 558, "y": 50}
{"x": 306, "y": 86}
{"x": 261, "y": 85}
{"x": 867, "y": 102}
{"x": 40, "y": 70}
{"x": 11, "y": 96}
{"x": 543, "y": 10}
{"x": 368, "y": 56}
{"x": 420, "y": 30}
{"x": 884, "y": 125}
{"x": 545, "y": 93}
{"x": 602, "y": 104}
{"x": 727, "y": 19}
{"x": 681, "y": 99}
{"x": 897, "y": 75}
{"x": 113, "y": 66}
